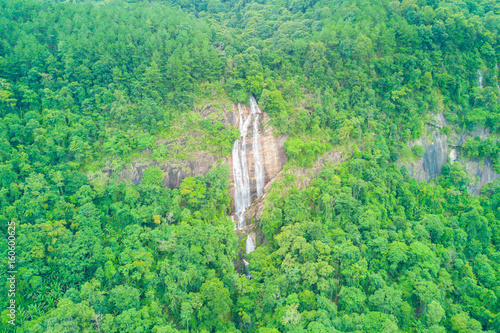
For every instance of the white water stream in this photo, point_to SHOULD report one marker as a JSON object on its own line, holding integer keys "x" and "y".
{"x": 242, "y": 198}
{"x": 250, "y": 245}
{"x": 241, "y": 172}
{"x": 259, "y": 168}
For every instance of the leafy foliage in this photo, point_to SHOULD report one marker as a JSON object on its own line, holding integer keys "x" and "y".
{"x": 362, "y": 248}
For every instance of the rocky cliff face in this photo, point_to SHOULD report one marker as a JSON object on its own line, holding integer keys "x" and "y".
{"x": 483, "y": 172}
{"x": 440, "y": 149}
{"x": 272, "y": 149}
{"x": 303, "y": 176}
{"x": 174, "y": 171}
{"x": 435, "y": 157}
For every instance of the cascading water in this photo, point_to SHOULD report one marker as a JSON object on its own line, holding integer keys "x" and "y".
{"x": 250, "y": 245}
{"x": 259, "y": 169}
{"x": 247, "y": 271}
{"x": 242, "y": 199}
{"x": 480, "y": 79}
{"x": 241, "y": 174}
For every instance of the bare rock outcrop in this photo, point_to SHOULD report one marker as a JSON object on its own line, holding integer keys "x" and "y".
{"x": 304, "y": 176}
{"x": 272, "y": 150}
{"x": 440, "y": 149}
{"x": 174, "y": 171}
{"x": 482, "y": 174}
{"x": 435, "y": 157}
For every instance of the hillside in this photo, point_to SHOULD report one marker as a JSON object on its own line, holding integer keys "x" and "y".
{"x": 250, "y": 166}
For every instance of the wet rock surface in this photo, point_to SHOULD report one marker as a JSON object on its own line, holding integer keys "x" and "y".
{"x": 272, "y": 150}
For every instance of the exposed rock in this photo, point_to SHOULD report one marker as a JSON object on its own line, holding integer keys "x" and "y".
{"x": 482, "y": 132}
{"x": 304, "y": 175}
{"x": 107, "y": 171}
{"x": 254, "y": 212}
{"x": 439, "y": 149}
{"x": 307, "y": 174}
{"x": 136, "y": 170}
{"x": 438, "y": 120}
{"x": 173, "y": 171}
{"x": 435, "y": 152}
{"x": 273, "y": 156}
{"x": 483, "y": 172}
{"x": 435, "y": 157}
{"x": 453, "y": 155}
{"x": 272, "y": 149}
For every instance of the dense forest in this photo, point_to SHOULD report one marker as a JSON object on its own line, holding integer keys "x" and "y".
{"x": 364, "y": 248}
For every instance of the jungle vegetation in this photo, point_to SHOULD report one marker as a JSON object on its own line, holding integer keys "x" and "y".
{"x": 364, "y": 248}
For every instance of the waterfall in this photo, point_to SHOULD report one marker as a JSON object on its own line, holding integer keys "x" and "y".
{"x": 247, "y": 271}
{"x": 480, "y": 79}
{"x": 242, "y": 199}
{"x": 241, "y": 174}
{"x": 259, "y": 169}
{"x": 250, "y": 245}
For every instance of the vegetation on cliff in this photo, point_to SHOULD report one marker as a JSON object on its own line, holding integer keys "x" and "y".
{"x": 364, "y": 248}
